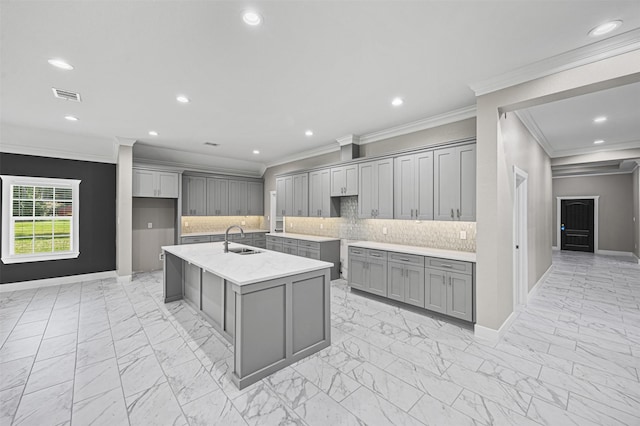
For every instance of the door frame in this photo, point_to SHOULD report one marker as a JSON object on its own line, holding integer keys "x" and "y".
{"x": 520, "y": 255}
{"x": 595, "y": 199}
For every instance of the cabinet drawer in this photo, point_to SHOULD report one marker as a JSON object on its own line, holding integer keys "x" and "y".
{"x": 217, "y": 238}
{"x": 309, "y": 244}
{"x": 272, "y": 239}
{"x": 310, "y": 253}
{"x": 406, "y": 258}
{"x": 449, "y": 265}
{"x": 274, "y": 245}
{"x": 290, "y": 241}
{"x": 239, "y": 238}
{"x": 259, "y": 244}
{"x": 377, "y": 254}
{"x": 356, "y": 251}
{"x": 195, "y": 240}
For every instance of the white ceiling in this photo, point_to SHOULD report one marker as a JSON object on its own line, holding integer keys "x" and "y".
{"x": 332, "y": 67}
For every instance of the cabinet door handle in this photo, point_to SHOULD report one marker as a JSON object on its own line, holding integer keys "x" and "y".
{"x": 403, "y": 259}
{"x": 375, "y": 255}
{"x": 449, "y": 281}
{"x": 458, "y": 210}
{"x": 411, "y": 213}
{"x": 416, "y": 213}
{"x": 451, "y": 213}
{"x": 446, "y": 265}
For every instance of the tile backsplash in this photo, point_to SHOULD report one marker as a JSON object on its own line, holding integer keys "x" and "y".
{"x": 194, "y": 224}
{"x": 427, "y": 233}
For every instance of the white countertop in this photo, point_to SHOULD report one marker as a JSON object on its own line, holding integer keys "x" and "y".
{"x": 314, "y": 238}
{"x": 420, "y": 251}
{"x": 233, "y": 231}
{"x": 244, "y": 269}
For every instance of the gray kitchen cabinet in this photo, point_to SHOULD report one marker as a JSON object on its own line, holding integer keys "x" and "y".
{"x": 285, "y": 197}
{"x": 155, "y": 183}
{"x": 195, "y": 239}
{"x": 255, "y": 202}
{"x": 375, "y": 189}
{"x": 435, "y": 290}
{"x": 370, "y": 273}
{"x": 301, "y": 195}
{"x": 395, "y": 281}
{"x": 320, "y": 202}
{"x": 460, "y": 296}
{"x": 274, "y": 243}
{"x": 217, "y": 197}
{"x": 454, "y": 179}
{"x": 448, "y": 291}
{"x": 194, "y": 196}
{"x": 413, "y": 186}
{"x": 325, "y": 250}
{"x": 238, "y": 197}
{"x": 405, "y": 281}
{"x": 344, "y": 180}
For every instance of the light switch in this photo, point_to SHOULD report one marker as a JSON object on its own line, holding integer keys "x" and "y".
{"x": 243, "y": 222}
{"x": 322, "y": 226}
{"x": 186, "y": 224}
{"x": 463, "y": 235}
{"x": 149, "y": 225}
{"x": 384, "y": 230}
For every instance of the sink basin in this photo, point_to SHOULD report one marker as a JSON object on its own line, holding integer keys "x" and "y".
{"x": 244, "y": 250}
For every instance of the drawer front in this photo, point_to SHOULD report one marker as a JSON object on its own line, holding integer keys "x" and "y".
{"x": 357, "y": 251}
{"x": 290, "y": 241}
{"x": 260, "y": 244}
{"x": 377, "y": 254}
{"x": 410, "y": 259}
{"x": 217, "y": 238}
{"x": 273, "y": 239}
{"x": 310, "y": 253}
{"x": 240, "y": 238}
{"x": 449, "y": 265}
{"x": 273, "y": 245}
{"x": 290, "y": 249}
{"x": 309, "y": 244}
{"x": 195, "y": 240}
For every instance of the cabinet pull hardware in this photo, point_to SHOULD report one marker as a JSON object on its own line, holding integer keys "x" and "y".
{"x": 404, "y": 259}
{"x": 446, "y": 265}
{"x": 416, "y": 213}
{"x": 411, "y": 213}
{"x": 458, "y": 210}
{"x": 451, "y": 213}
{"x": 375, "y": 255}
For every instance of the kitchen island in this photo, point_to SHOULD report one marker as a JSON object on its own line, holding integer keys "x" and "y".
{"x": 273, "y": 307}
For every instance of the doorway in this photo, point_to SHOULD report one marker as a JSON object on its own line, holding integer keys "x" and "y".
{"x": 577, "y": 230}
{"x": 520, "y": 247}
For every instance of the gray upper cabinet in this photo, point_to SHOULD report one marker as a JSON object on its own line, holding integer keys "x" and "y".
{"x": 413, "y": 186}
{"x": 320, "y": 202}
{"x": 454, "y": 177}
{"x": 217, "y": 197}
{"x": 301, "y": 195}
{"x": 154, "y": 183}
{"x": 375, "y": 192}
{"x": 344, "y": 180}
{"x": 255, "y": 203}
{"x": 194, "y": 196}
{"x": 238, "y": 197}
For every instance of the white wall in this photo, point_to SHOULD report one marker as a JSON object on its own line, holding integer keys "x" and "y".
{"x": 636, "y": 211}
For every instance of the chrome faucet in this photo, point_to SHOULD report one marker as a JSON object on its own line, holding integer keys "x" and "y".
{"x": 226, "y": 236}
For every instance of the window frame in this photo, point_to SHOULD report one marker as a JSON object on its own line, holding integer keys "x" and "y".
{"x": 8, "y": 231}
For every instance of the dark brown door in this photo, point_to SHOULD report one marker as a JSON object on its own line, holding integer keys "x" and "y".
{"x": 577, "y": 225}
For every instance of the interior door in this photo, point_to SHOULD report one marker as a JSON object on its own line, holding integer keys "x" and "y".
{"x": 577, "y": 225}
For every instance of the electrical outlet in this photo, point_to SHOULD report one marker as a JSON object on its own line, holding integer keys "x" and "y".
{"x": 463, "y": 235}
{"x": 186, "y": 224}
{"x": 291, "y": 225}
{"x": 149, "y": 225}
{"x": 243, "y": 222}
{"x": 384, "y": 230}
{"x": 322, "y": 226}
{"x": 161, "y": 257}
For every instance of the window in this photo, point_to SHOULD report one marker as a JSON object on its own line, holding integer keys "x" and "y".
{"x": 40, "y": 219}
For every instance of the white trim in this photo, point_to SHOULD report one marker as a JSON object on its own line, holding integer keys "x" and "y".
{"x": 124, "y": 141}
{"x": 555, "y": 248}
{"x": 520, "y": 237}
{"x": 423, "y": 124}
{"x": 534, "y": 289}
{"x": 615, "y": 253}
{"x": 349, "y": 139}
{"x": 49, "y": 282}
{"x": 493, "y": 336}
{"x": 595, "y": 199}
{"x": 592, "y": 174}
{"x": 532, "y": 126}
{"x": 326, "y": 149}
{"x": 607, "y": 48}
{"x": 7, "y": 256}
{"x": 124, "y": 278}
{"x": 24, "y": 149}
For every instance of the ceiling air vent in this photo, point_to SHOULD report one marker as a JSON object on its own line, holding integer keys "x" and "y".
{"x": 212, "y": 144}
{"x": 66, "y": 95}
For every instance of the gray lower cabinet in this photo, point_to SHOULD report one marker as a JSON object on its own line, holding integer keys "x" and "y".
{"x": 274, "y": 243}
{"x": 327, "y": 251}
{"x": 196, "y": 239}
{"x": 449, "y": 293}
{"x": 406, "y": 282}
{"x": 368, "y": 270}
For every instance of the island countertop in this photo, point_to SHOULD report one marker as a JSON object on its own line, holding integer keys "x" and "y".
{"x": 244, "y": 269}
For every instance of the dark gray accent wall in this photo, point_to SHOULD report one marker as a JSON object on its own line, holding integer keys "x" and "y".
{"x": 97, "y": 216}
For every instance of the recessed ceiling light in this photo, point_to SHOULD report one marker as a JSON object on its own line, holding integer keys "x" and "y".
{"x": 71, "y": 118}
{"x": 397, "y": 101}
{"x": 182, "y": 99}
{"x": 255, "y": 151}
{"x": 252, "y": 18}
{"x": 598, "y": 142}
{"x": 309, "y": 133}
{"x": 59, "y": 63}
{"x": 605, "y": 28}
{"x": 600, "y": 119}
{"x": 153, "y": 133}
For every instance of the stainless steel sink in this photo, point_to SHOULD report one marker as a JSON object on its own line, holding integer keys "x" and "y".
{"x": 244, "y": 250}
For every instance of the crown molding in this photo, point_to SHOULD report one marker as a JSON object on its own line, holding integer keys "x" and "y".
{"x": 349, "y": 139}
{"x": 38, "y": 151}
{"x": 326, "y": 149}
{"x": 602, "y": 148}
{"x": 423, "y": 124}
{"x": 124, "y": 141}
{"x": 180, "y": 166}
{"x": 530, "y": 123}
{"x": 608, "y": 48}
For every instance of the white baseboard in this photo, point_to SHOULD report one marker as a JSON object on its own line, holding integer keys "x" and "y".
{"x": 615, "y": 253}
{"x": 636, "y": 257}
{"x": 124, "y": 279}
{"x": 535, "y": 288}
{"x": 555, "y": 248}
{"x": 49, "y": 282}
{"x": 493, "y": 336}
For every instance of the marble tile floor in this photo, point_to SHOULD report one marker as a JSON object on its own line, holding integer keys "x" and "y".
{"x": 102, "y": 352}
